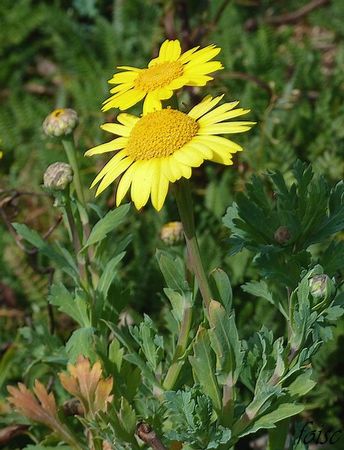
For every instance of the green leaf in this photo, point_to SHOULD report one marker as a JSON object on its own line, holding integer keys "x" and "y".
{"x": 75, "y": 307}
{"x": 67, "y": 264}
{"x": 108, "y": 223}
{"x": 81, "y": 342}
{"x": 203, "y": 364}
{"x": 173, "y": 271}
{"x": 127, "y": 417}
{"x": 302, "y": 384}
{"x": 116, "y": 354}
{"x": 6, "y": 362}
{"x": 223, "y": 287}
{"x": 261, "y": 289}
{"x": 179, "y": 302}
{"x": 226, "y": 344}
{"x": 108, "y": 275}
{"x": 151, "y": 343}
{"x": 283, "y": 411}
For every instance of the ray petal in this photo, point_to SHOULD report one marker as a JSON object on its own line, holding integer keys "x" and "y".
{"x": 113, "y": 174}
{"x": 115, "y": 144}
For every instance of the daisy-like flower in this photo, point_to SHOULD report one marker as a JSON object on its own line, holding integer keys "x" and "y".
{"x": 171, "y": 70}
{"x": 164, "y": 145}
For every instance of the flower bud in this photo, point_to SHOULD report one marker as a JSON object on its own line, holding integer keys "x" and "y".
{"x": 282, "y": 235}
{"x": 321, "y": 287}
{"x": 58, "y": 176}
{"x": 60, "y": 122}
{"x": 172, "y": 233}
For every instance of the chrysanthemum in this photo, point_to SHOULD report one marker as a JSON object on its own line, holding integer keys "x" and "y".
{"x": 164, "y": 145}
{"x": 169, "y": 71}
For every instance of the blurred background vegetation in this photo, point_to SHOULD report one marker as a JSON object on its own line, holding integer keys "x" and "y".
{"x": 284, "y": 60}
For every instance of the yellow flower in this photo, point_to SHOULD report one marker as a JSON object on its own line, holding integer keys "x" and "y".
{"x": 169, "y": 71}
{"x": 163, "y": 146}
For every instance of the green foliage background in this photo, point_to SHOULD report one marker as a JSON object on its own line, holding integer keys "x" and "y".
{"x": 61, "y": 54}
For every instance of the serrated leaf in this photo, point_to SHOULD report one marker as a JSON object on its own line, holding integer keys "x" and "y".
{"x": 74, "y": 307}
{"x": 81, "y": 343}
{"x": 127, "y": 417}
{"x": 203, "y": 364}
{"x": 108, "y": 223}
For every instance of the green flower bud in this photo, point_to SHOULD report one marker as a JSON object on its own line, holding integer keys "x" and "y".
{"x": 282, "y": 235}
{"x": 60, "y": 122}
{"x": 58, "y": 176}
{"x": 321, "y": 287}
{"x": 172, "y": 233}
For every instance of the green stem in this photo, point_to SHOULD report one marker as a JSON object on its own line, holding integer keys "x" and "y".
{"x": 184, "y": 203}
{"x": 76, "y": 242}
{"x": 178, "y": 360}
{"x": 69, "y": 147}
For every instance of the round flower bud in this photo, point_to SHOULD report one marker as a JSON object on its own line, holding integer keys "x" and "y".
{"x": 282, "y": 235}
{"x": 58, "y": 176}
{"x": 172, "y": 233}
{"x": 60, "y": 122}
{"x": 321, "y": 287}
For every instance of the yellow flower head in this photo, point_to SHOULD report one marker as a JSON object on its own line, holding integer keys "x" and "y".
{"x": 169, "y": 71}
{"x": 164, "y": 145}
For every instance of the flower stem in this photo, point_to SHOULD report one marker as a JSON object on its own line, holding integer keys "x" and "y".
{"x": 184, "y": 203}
{"x": 69, "y": 147}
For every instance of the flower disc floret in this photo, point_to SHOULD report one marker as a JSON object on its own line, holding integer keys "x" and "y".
{"x": 160, "y": 133}
{"x": 158, "y": 76}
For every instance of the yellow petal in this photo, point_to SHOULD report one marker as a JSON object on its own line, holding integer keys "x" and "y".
{"x": 206, "y": 105}
{"x": 202, "y": 148}
{"x": 115, "y": 144}
{"x": 123, "y": 77}
{"x": 211, "y": 118}
{"x": 113, "y": 174}
{"x": 125, "y": 183}
{"x": 169, "y": 51}
{"x": 188, "y": 156}
{"x": 142, "y": 183}
{"x": 115, "y": 128}
{"x": 204, "y": 68}
{"x": 134, "y": 69}
{"x": 109, "y": 166}
{"x": 221, "y": 110}
{"x": 121, "y": 88}
{"x": 178, "y": 83}
{"x": 151, "y": 103}
{"x": 123, "y": 100}
{"x": 201, "y": 56}
{"x": 159, "y": 186}
{"x": 199, "y": 80}
{"x": 215, "y": 142}
{"x": 226, "y": 128}
{"x": 127, "y": 119}
{"x": 186, "y": 56}
{"x": 222, "y": 157}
